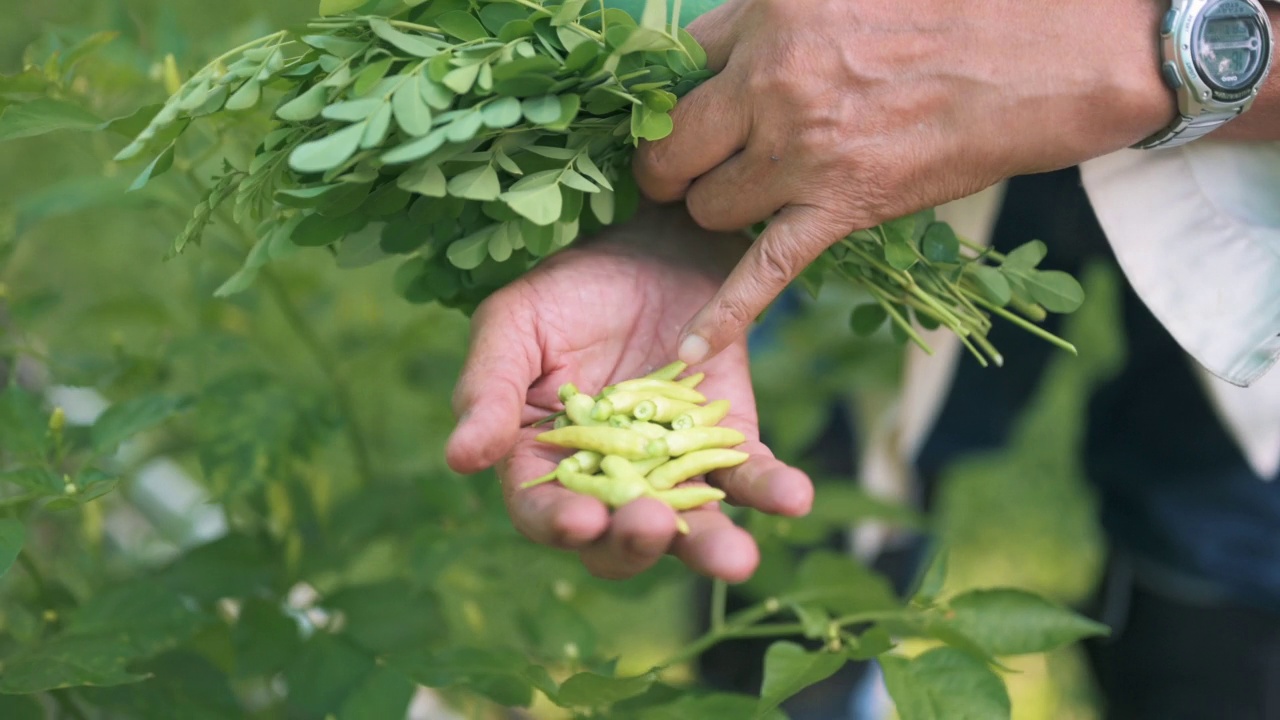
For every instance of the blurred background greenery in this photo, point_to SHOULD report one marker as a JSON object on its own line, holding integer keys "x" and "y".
{"x": 323, "y": 376}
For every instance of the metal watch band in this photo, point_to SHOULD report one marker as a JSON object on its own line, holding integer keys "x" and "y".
{"x": 1185, "y": 129}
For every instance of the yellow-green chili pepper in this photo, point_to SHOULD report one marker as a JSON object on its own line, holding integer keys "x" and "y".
{"x": 665, "y": 388}
{"x": 583, "y": 461}
{"x": 661, "y": 409}
{"x": 604, "y": 440}
{"x": 668, "y": 372}
{"x": 622, "y": 471}
{"x": 653, "y": 431}
{"x": 692, "y": 465}
{"x": 562, "y": 421}
{"x": 622, "y": 402}
{"x": 566, "y": 391}
{"x": 693, "y": 380}
{"x": 705, "y": 416}
{"x": 682, "y": 442}
{"x": 602, "y": 487}
{"x": 644, "y": 467}
{"x": 578, "y": 408}
{"x": 688, "y": 498}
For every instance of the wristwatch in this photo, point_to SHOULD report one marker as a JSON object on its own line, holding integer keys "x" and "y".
{"x": 1215, "y": 55}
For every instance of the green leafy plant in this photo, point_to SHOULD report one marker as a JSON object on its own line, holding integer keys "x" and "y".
{"x": 328, "y": 564}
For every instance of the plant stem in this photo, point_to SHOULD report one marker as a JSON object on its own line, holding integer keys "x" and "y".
{"x": 719, "y": 596}
{"x": 67, "y": 705}
{"x": 328, "y": 366}
{"x": 738, "y": 622}
{"x": 42, "y": 588}
{"x": 1025, "y": 324}
{"x": 319, "y": 353}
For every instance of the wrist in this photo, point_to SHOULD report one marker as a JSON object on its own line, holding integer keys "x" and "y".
{"x": 1148, "y": 103}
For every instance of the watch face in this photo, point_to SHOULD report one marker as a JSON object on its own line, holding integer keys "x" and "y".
{"x": 1230, "y": 47}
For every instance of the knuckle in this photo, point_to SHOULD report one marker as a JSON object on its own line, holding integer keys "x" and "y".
{"x": 776, "y": 262}
{"x": 735, "y": 313}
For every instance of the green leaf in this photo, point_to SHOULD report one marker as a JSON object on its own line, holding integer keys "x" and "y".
{"x": 991, "y": 283}
{"x": 45, "y": 115}
{"x": 541, "y": 204}
{"x": 935, "y": 575}
{"x": 542, "y": 110}
{"x": 495, "y": 16}
{"x": 814, "y": 619}
{"x": 22, "y": 423}
{"x": 324, "y": 673}
{"x": 328, "y": 152}
{"x": 469, "y": 252}
{"x": 388, "y": 616}
{"x": 464, "y": 127}
{"x": 160, "y": 165}
{"x": 306, "y": 106}
{"x": 337, "y": 7}
{"x": 67, "y": 661}
{"x": 602, "y": 206}
{"x": 126, "y": 419}
{"x": 20, "y": 707}
{"x": 568, "y": 12}
{"x": 462, "y": 25}
{"x": 501, "y": 112}
{"x": 376, "y": 128}
{"x": 1006, "y": 621}
{"x": 789, "y": 668}
{"x": 246, "y": 97}
{"x": 867, "y": 318}
{"x": 411, "y": 111}
{"x": 264, "y": 638}
{"x": 248, "y": 272}
{"x": 874, "y": 642}
{"x": 1025, "y": 257}
{"x": 588, "y": 167}
{"x": 416, "y": 45}
{"x": 476, "y": 184}
{"x": 643, "y": 40}
{"x": 649, "y": 125}
{"x": 12, "y": 534}
{"x": 940, "y": 244}
{"x": 318, "y": 230}
{"x": 945, "y": 684}
{"x": 591, "y": 690}
{"x": 416, "y": 149}
{"x": 499, "y": 675}
{"x": 371, "y": 75}
{"x": 841, "y": 585}
{"x": 575, "y": 180}
{"x": 383, "y": 694}
{"x": 352, "y": 110}
{"x": 1056, "y": 290}
{"x": 425, "y": 178}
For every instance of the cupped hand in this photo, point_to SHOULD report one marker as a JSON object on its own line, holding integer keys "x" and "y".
{"x": 830, "y": 116}
{"x": 599, "y": 313}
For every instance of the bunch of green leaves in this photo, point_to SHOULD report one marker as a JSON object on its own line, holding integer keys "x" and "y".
{"x": 477, "y": 137}
{"x": 472, "y": 138}
{"x": 919, "y": 273}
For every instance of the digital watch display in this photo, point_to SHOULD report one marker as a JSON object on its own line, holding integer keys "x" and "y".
{"x": 1216, "y": 54}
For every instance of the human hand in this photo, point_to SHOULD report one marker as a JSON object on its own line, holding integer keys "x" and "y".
{"x": 830, "y": 116}
{"x": 609, "y": 310}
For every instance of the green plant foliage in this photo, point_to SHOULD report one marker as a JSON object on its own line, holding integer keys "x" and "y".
{"x": 259, "y": 523}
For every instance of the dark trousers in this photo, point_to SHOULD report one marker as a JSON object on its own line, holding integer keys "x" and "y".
{"x": 1172, "y": 659}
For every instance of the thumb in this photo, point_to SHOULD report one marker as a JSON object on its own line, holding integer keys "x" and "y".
{"x": 793, "y": 239}
{"x": 489, "y": 400}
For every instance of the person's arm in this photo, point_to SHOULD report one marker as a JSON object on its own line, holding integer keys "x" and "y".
{"x": 828, "y": 116}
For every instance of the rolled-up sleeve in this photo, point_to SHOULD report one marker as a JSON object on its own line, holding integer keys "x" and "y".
{"x": 1196, "y": 231}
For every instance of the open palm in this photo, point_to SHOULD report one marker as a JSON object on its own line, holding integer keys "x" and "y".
{"x": 610, "y": 310}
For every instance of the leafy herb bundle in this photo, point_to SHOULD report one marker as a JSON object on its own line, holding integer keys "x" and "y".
{"x": 475, "y": 137}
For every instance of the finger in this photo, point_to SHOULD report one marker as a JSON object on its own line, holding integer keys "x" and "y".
{"x": 717, "y": 32}
{"x": 549, "y": 514}
{"x": 766, "y": 483}
{"x": 490, "y": 396}
{"x": 638, "y": 536}
{"x": 741, "y": 191}
{"x": 711, "y": 124}
{"x": 793, "y": 239}
{"x": 716, "y": 548}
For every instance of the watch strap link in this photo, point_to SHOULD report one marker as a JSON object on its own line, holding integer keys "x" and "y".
{"x": 1186, "y": 129}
